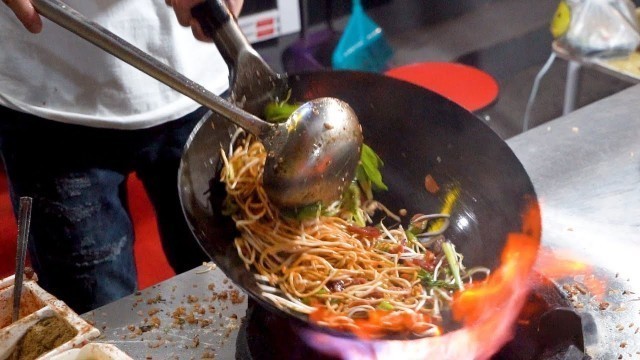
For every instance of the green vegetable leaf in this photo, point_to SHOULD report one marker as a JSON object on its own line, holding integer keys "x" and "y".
{"x": 428, "y": 281}
{"x": 371, "y": 163}
{"x": 385, "y": 305}
{"x": 322, "y": 291}
{"x": 411, "y": 236}
{"x": 351, "y": 204}
{"x": 308, "y": 212}
{"x": 279, "y": 112}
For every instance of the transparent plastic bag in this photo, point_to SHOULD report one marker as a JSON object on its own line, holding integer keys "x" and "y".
{"x": 603, "y": 28}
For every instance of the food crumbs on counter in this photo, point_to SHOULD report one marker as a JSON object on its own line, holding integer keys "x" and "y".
{"x": 154, "y": 300}
{"x": 155, "y": 321}
{"x": 581, "y": 288}
{"x": 211, "y": 286}
{"x": 620, "y": 327}
{"x": 208, "y": 266}
{"x": 575, "y": 129}
{"x": 153, "y": 311}
{"x": 569, "y": 229}
{"x": 156, "y": 344}
{"x": 236, "y": 298}
{"x": 208, "y": 356}
{"x": 603, "y": 305}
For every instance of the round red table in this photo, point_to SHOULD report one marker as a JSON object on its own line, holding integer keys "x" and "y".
{"x": 465, "y": 85}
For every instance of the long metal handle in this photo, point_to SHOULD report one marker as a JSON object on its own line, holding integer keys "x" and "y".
{"x": 218, "y": 23}
{"x": 68, "y": 18}
{"x": 24, "y": 223}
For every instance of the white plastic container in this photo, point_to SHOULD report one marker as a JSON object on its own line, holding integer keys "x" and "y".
{"x": 37, "y": 304}
{"x": 93, "y": 351}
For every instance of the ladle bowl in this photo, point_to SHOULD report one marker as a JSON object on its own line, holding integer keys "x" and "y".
{"x": 317, "y": 161}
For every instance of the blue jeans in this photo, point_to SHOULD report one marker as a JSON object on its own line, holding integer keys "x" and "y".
{"x": 81, "y": 243}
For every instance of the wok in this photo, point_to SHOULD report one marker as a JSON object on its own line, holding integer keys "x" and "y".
{"x": 416, "y": 132}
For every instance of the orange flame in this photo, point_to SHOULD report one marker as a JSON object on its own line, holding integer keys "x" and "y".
{"x": 560, "y": 265}
{"x": 484, "y": 307}
{"x": 487, "y": 309}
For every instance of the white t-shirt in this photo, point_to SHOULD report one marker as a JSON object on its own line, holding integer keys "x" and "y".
{"x": 60, "y": 76}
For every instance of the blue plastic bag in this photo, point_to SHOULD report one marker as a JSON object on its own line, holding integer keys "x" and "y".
{"x": 362, "y": 46}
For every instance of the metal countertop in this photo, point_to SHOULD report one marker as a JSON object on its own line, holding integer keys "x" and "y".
{"x": 586, "y": 170}
{"x": 196, "y": 317}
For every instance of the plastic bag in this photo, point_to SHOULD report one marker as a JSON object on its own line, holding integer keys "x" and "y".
{"x": 603, "y": 28}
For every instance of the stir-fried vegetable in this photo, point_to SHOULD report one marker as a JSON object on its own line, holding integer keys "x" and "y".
{"x": 279, "y": 111}
{"x": 368, "y": 172}
{"x": 450, "y": 254}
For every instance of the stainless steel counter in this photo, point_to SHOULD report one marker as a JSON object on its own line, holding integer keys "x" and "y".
{"x": 194, "y": 315}
{"x": 586, "y": 170}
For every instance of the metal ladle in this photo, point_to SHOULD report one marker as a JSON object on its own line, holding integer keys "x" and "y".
{"x": 312, "y": 156}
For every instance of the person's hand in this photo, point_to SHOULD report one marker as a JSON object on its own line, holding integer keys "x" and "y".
{"x": 26, "y": 13}
{"x": 183, "y": 13}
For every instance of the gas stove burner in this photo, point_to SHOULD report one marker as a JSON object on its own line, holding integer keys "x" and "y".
{"x": 264, "y": 335}
{"x": 547, "y": 329}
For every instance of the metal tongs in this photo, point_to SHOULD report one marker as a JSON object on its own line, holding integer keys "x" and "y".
{"x": 253, "y": 83}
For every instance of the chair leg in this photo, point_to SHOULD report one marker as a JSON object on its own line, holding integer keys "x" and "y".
{"x": 572, "y": 87}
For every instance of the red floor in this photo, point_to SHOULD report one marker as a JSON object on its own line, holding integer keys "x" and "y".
{"x": 150, "y": 260}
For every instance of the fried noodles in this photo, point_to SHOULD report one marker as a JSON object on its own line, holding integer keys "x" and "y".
{"x": 368, "y": 280}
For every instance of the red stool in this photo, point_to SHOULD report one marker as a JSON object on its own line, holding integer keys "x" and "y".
{"x": 467, "y": 86}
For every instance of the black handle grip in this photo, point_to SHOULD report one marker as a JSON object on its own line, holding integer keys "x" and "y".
{"x": 211, "y": 14}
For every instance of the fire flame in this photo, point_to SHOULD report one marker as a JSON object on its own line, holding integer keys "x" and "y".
{"x": 560, "y": 265}
{"x": 487, "y": 309}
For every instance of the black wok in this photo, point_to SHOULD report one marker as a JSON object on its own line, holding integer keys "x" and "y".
{"x": 416, "y": 132}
